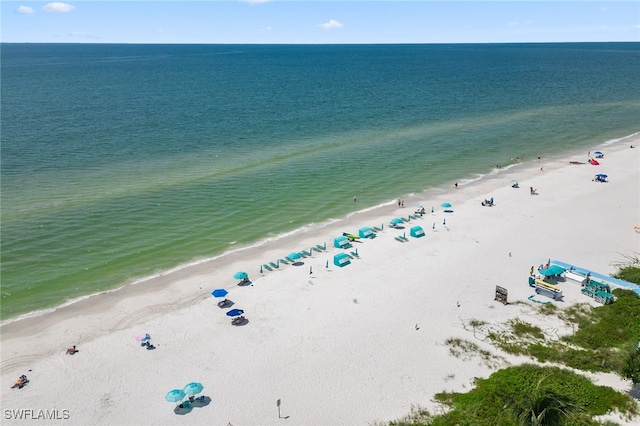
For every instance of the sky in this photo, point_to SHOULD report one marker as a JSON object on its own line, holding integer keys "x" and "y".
{"x": 319, "y": 22}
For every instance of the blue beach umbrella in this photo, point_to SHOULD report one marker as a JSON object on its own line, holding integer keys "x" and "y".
{"x": 175, "y": 395}
{"x": 193, "y": 388}
{"x": 240, "y": 275}
{"x": 602, "y": 175}
{"x": 235, "y": 312}
{"x": 445, "y": 205}
{"x": 219, "y": 292}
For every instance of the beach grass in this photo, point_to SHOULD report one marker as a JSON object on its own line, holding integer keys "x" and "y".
{"x": 509, "y": 395}
{"x": 603, "y": 340}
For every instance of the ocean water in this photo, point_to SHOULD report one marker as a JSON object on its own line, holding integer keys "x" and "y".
{"x": 121, "y": 161}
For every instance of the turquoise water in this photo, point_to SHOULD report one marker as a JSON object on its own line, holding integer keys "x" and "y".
{"x": 119, "y": 161}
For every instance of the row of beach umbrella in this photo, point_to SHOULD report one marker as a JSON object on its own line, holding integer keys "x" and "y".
{"x": 219, "y": 293}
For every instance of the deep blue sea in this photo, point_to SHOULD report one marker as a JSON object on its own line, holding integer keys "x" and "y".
{"x": 120, "y": 161}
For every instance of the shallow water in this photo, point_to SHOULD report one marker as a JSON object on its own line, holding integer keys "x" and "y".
{"x": 120, "y": 161}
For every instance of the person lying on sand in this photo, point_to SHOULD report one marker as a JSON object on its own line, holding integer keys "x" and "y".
{"x": 72, "y": 350}
{"x": 20, "y": 382}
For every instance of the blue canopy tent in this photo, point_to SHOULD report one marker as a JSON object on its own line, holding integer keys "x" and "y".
{"x": 366, "y": 232}
{"x": 341, "y": 242}
{"x": 416, "y": 232}
{"x": 341, "y": 259}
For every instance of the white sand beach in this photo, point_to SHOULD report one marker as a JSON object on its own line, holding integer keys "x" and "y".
{"x": 337, "y": 346}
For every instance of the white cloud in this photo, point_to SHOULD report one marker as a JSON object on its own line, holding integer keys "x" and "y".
{"x": 24, "y": 10}
{"x": 58, "y": 7}
{"x": 254, "y": 1}
{"x": 331, "y": 24}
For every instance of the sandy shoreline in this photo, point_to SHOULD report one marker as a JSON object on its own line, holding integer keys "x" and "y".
{"x": 347, "y": 345}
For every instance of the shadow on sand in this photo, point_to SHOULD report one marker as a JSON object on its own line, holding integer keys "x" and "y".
{"x": 187, "y": 406}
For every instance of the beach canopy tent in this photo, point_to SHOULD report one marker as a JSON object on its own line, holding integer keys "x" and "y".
{"x": 416, "y": 232}
{"x": 366, "y": 232}
{"x": 598, "y": 154}
{"x": 341, "y": 259}
{"x": 341, "y": 242}
{"x": 552, "y": 270}
{"x": 294, "y": 256}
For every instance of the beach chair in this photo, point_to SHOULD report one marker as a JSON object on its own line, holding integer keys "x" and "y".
{"x": 375, "y": 228}
{"x": 267, "y": 267}
{"x": 318, "y": 248}
{"x": 305, "y": 253}
{"x": 399, "y": 239}
{"x": 273, "y": 265}
{"x": 283, "y": 261}
{"x": 354, "y": 254}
